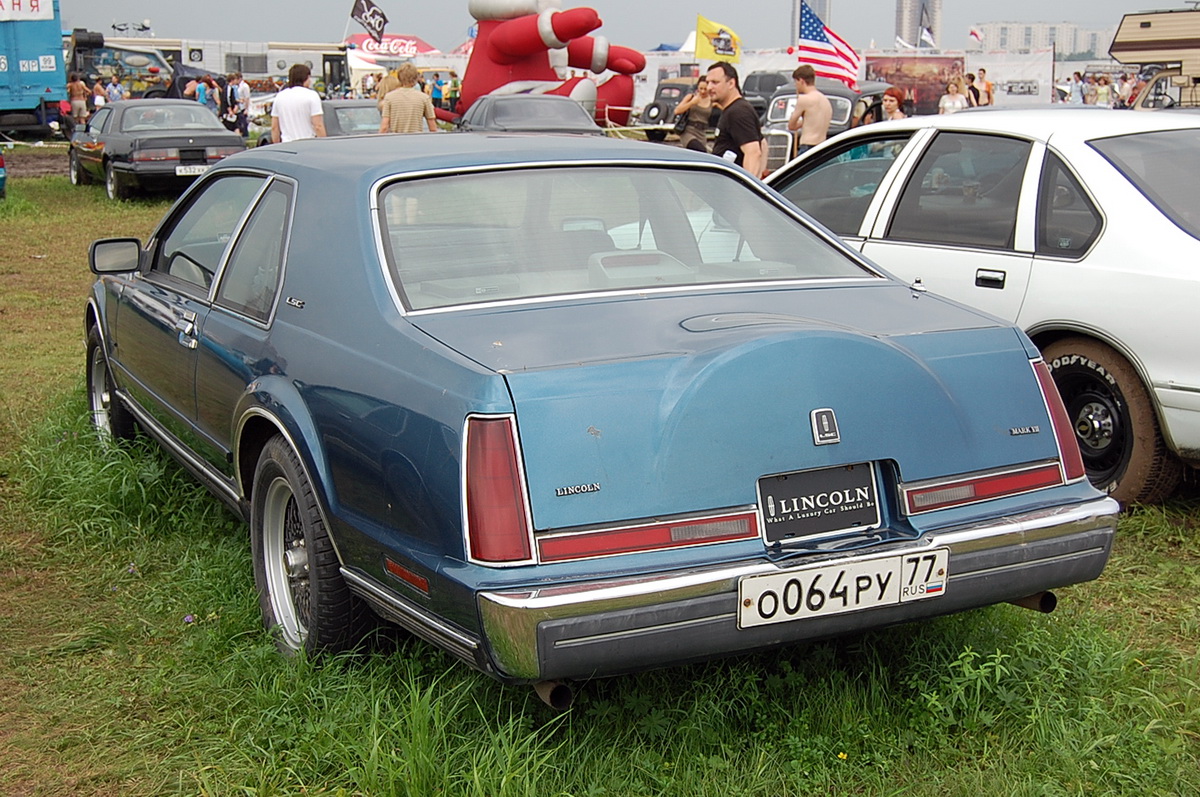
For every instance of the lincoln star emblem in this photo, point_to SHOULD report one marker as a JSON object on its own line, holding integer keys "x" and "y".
{"x": 824, "y": 427}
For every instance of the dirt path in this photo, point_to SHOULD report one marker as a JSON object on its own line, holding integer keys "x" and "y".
{"x": 31, "y": 160}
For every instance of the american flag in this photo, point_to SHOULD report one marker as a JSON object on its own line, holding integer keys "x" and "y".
{"x": 827, "y": 52}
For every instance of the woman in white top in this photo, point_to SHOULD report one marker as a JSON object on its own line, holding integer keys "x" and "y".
{"x": 953, "y": 100}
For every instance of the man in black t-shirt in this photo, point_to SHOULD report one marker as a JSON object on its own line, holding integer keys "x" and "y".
{"x": 739, "y": 136}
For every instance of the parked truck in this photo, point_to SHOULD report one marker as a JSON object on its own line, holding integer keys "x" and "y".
{"x": 1170, "y": 41}
{"x": 32, "y": 76}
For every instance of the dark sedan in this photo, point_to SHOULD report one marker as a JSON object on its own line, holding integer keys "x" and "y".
{"x": 570, "y": 406}
{"x": 531, "y": 113}
{"x": 149, "y": 145}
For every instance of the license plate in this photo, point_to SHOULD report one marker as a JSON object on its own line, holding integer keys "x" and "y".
{"x": 847, "y": 585}
{"x": 817, "y": 503}
{"x": 188, "y": 171}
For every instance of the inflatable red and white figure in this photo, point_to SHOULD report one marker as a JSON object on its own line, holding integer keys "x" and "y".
{"x": 529, "y": 46}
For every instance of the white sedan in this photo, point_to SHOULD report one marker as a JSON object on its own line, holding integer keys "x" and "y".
{"x": 1079, "y": 225}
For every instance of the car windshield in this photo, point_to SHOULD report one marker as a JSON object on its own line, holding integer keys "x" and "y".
{"x": 358, "y": 119}
{"x": 518, "y": 234}
{"x": 539, "y": 112}
{"x": 174, "y": 117}
{"x": 1163, "y": 165}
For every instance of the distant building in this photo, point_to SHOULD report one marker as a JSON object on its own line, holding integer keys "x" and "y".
{"x": 1064, "y": 37}
{"x": 821, "y": 8}
{"x": 918, "y": 21}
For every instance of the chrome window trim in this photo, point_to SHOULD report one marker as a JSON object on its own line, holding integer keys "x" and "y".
{"x": 870, "y": 273}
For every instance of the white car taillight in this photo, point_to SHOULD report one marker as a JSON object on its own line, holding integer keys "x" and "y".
{"x": 497, "y": 519}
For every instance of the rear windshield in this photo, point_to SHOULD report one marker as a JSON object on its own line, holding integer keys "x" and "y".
{"x": 169, "y": 117}
{"x": 519, "y": 234}
{"x": 1163, "y": 165}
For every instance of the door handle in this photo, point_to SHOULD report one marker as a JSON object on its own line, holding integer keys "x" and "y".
{"x": 988, "y": 278}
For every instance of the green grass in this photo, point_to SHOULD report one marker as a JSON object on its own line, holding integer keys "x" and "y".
{"x": 133, "y": 659}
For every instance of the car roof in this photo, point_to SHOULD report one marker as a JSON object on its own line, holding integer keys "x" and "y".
{"x": 374, "y": 157}
{"x": 1061, "y": 122}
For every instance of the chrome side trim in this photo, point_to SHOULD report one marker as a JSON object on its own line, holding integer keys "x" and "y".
{"x": 511, "y": 617}
{"x": 214, "y": 479}
{"x": 413, "y": 618}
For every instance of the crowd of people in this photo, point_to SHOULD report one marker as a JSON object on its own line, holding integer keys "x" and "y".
{"x": 1103, "y": 89}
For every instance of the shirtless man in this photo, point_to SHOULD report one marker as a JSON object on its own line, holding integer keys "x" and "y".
{"x": 813, "y": 110}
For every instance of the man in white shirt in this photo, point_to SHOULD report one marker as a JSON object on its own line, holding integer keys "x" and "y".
{"x": 297, "y": 112}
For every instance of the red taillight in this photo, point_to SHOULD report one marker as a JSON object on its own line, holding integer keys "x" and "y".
{"x": 656, "y": 536}
{"x": 155, "y": 154}
{"x": 497, "y": 524}
{"x": 1064, "y": 433}
{"x": 980, "y": 487}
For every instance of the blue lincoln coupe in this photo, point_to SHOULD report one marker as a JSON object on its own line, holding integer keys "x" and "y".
{"x": 571, "y": 407}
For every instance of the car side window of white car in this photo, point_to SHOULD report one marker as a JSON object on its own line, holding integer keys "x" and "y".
{"x": 1067, "y": 221}
{"x": 249, "y": 280}
{"x": 963, "y": 192}
{"x": 838, "y": 190}
{"x": 195, "y": 242}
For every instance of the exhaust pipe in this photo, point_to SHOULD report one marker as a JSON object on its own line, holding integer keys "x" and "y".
{"x": 556, "y": 694}
{"x": 1044, "y": 602}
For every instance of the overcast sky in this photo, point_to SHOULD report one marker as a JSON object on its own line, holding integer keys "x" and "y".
{"x": 641, "y": 24}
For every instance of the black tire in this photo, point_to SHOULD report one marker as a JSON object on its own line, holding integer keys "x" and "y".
{"x": 656, "y": 113}
{"x": 304, "y": 600}
{"x": 110, "y": 417}
{"x": 79, "y": 175}
{"x": 1115, "y": 421}
{"x": 114, "y": 184}
{"x": 656, "y": 135}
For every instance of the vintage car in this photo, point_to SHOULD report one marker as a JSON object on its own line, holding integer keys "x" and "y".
{"x": 149, "y": 145}
{"x": 529, "y": 113}
{"x": 1073, "y": 223}
{"x": 570, "y": 406}
{"x": 850, "y": 108}
{"x": 657, "y": 118}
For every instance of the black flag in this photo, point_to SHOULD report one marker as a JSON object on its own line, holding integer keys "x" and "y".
{"x": 371, "y": 17}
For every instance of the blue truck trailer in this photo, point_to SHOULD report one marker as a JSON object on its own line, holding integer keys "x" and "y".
{"x": 32, "y": 75}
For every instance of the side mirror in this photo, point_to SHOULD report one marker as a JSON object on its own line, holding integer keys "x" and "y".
{"x": 115, "y": 255}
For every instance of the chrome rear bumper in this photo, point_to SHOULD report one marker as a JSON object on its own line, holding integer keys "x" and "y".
{"x": 621, "y": 625}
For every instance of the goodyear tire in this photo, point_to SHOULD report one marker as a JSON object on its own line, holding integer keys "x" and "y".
{"x": 304, "y": 600}
{"x": 1115, "y": 421}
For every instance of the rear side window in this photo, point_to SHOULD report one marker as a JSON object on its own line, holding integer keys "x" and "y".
{"x": 1067, "y": 221}
{"x": 838, "y": 190}
{"x": 1163, "y": 165}
{"x": 963, "y": 192}
{"x": 252, "y": 273}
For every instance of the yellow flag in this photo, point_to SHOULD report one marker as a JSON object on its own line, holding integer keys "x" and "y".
{"x": 716, "y": 42}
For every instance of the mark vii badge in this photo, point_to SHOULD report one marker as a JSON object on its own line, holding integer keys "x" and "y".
{"x": 824, "y": 427}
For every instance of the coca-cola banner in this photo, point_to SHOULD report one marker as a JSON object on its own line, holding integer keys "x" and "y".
{"x": 371, "y": 17}
{"x": 390, "y": 47}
